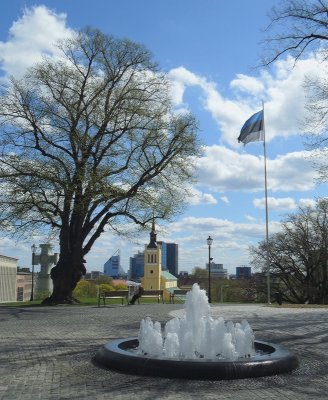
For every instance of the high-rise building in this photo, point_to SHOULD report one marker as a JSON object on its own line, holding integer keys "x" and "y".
{"x": 112, "y": 267}
{"x": 173, "y": 258}
{"x": 164, "y": 255}
{"x": 243, "y": 272}
{"x": 136, "y": 270}
{"x": 170, "y": 254}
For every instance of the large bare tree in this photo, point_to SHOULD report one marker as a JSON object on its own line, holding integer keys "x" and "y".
{"x": 297, "y": 27}
{"x": 298, "y": 255}
{"x": 89, "y": 142}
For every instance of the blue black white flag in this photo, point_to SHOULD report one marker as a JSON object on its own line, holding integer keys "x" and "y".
{"x": 253, "y": 129}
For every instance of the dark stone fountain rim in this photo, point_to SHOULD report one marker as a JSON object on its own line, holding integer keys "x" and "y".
{"x": 274, "y": 359}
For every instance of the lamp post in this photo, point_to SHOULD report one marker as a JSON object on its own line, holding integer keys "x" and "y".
{"x": 33, "y": 248}
{"x": 209, "y": 241}
{"x": 222, "y": 287}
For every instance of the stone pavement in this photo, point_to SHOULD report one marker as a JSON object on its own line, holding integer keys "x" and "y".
{"x": 45, "y": 353}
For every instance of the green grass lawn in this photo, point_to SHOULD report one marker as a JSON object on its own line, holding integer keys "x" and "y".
{"x": 286, "y": 305}
{"x": 84, "y": 301}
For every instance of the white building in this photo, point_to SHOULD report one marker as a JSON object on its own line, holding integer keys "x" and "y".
{"x": 8, "y": 274}
{"x": 217, "y": 271}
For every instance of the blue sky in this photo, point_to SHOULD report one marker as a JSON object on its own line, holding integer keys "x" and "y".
{"x": 210, "y": 49}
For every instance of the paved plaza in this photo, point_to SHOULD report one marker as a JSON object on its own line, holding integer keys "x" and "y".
{"x": 46, "y": 353}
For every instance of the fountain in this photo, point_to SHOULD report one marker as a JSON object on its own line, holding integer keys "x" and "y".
{"x": 196, "y": 346}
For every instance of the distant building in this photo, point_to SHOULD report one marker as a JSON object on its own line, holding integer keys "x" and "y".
{"x": 112, "y": 267}
{"x": 243, "y": 272}
{"x": 173, "y": 258}
{"x": 24, "y": 284}
{"x": 8, "y": 276}
{"x": 164, "y": 255}
{"x": 92, "y": 275}
{"x": 170, "y": 257}
{"x": 169, "y": 261}
{"x": 137, "y": 263}
{"x": 217, "y": 271}
{"x": 154, "y": 278}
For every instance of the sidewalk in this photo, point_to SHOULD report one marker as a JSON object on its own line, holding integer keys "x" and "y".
{"x": 45, "y": 353}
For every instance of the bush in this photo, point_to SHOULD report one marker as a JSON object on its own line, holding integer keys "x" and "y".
{"x": 85, "y": 289}
{"x": 105, "y": 287}
{"x": 120, "y": 286}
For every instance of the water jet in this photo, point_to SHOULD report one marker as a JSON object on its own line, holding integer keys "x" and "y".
{"x": 196, "y": 346}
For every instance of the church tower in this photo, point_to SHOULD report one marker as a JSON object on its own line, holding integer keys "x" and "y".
{"x": 153, "y": 264}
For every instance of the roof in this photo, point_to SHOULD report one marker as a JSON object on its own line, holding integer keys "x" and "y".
{"x": 9, "y": 258}
{"x": 171, "y": 290}
{"x": 168, "y": 276}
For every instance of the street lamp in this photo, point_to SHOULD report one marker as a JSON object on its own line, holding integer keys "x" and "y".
{"x": 209, "y": 241}
{"x": 33, "y": 248}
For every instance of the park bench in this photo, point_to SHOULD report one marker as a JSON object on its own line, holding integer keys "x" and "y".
{"x": 113, "y": 294}
{"x": 152, "y": 294}
{"x": 178, "y": 294}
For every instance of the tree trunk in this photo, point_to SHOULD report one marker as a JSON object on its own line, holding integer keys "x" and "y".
{"x": 65, "y": 276}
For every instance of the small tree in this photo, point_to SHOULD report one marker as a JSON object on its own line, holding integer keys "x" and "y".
{"x": 85, "y": 289}
{"x": 89, "y": 142}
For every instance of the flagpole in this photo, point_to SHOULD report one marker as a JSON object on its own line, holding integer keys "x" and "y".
{"x": 266, "y": 213}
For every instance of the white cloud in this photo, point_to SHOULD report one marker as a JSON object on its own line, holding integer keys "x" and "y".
{"x": 225, "y": 199}
{"x": 231, "y": 240}
{"x": 250, "y": 218}
{"x": 282, "y": 91}
{"x": 223, "y": 169}
{"x": 247, "y": 84}
{"x": 307, "y": 202}
{"x": 197, "y": 197}
{"x": 283, "y": 203}
{"x": 31, "y": 36}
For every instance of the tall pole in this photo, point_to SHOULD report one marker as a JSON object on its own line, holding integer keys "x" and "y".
{"x": 209, "y": 274}
{"x": 266, "y": 215}
{"x": 209, "y": 242}
{"x": 32, "y": 288}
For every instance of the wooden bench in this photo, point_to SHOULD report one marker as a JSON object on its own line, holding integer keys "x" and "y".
{"x": 152, "y": 294}
{"x": 113, "y": 294}
{"x": 179, "y": 293}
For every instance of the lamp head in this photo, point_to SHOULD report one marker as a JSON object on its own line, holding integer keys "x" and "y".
{"x": 209, "y": 240}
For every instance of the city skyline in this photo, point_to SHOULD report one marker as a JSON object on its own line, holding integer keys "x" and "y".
{"x": 211, "y": 52}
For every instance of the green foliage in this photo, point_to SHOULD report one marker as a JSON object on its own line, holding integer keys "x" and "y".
{"x": 198, "y": 272}
{"x": 120, "y": 286}
{"x": 105, "y": 287}
{"x": 87, "y": 142}
{"x": 85, "y": 289}
{"x": 41, "y": 295}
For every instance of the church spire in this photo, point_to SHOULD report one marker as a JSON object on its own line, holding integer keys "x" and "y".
{"x": 152, "y": 243}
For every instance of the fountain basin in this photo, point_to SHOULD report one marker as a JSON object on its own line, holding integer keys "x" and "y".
{"x": 121, "y": 355}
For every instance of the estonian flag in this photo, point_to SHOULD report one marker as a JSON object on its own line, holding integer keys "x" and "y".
{"x": 253, "y": 129}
